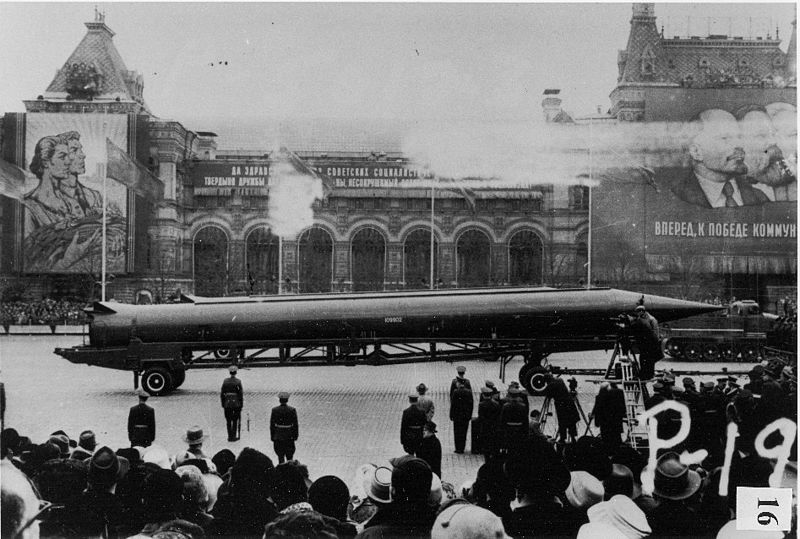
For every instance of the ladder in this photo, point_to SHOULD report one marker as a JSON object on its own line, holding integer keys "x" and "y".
{"x": 634, "y": 391}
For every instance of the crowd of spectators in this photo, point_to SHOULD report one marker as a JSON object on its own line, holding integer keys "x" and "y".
{"x": 537, "y": 488}
{"x": 43, "y": 312}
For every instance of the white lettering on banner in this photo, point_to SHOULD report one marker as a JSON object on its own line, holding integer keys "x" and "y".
{"x": 786, "y": 427}
{"x": 689, "y": 229}
{"x": 231, "y": 181}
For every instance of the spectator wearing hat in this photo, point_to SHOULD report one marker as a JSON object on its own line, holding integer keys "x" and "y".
{"x": 489, "y": 418}
{"x": 62, "y": 482}
{"x": 195, "y": 502}
{"x": 584, "y": 491}
{"x": 619, "y": 482}
{"x": 461, "y": 404}
{"x": 330, "y": 496}
{"x": 755, "y": 377}
{"x": 100, "y": 509}
{"x": 194, "y": 438}
{"x": 243, "y": 506}
{"x": 301, "y": 524}
{"x": 538, "y": 477}
{"x": 232, "y": 399}
{"x": 430, "y": 448}
{"x": 676, "y": 489}
{"x": 141, "y": 421}
{"x": 87, "y": 443}
{"x": 223, "y": 460}
{"x": 462, "y": 520}
{"x": 20, "y": 504}
{"x": 424, "y": 402}
{"x": 162, "y": 497}
{"x": 62, "y": 442}
{"x": 283, "y": 428}
{"x": 617, "y": 517}
{"x": 609, "y": 414}
{"x": 566, "y": 411}
{"x": 407, "y": 514}
{"x": 411, "y": 426}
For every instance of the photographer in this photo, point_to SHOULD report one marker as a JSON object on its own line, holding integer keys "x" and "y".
{"x": 644, "y": 329}
{"x": 566, "y": 412}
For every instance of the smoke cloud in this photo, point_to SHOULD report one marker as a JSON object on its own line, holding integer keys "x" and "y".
{"x": 291, "y": 196}
{"x": 504, "y": 156}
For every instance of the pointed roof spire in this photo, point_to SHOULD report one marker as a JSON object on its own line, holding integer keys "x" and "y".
{"x": 96, "y": 71}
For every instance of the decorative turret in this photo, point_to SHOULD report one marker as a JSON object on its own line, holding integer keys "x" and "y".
{"x": 94, "y": 72}
{"x": 638, "y": 62}
{"x": 791, "y": 55}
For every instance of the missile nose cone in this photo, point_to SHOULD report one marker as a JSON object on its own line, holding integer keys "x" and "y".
{"x": 665, "y": 309}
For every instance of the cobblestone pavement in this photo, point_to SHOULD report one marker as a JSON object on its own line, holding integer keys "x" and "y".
{"x": 348, "y": 415}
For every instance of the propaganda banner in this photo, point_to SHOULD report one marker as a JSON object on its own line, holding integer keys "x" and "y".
{"x": 63, "y": 194}
{"x": 728, "y": 204}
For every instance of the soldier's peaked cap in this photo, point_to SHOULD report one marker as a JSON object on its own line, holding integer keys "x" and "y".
{"x": 283, "y": 395}
{"x": 461, "y": 369}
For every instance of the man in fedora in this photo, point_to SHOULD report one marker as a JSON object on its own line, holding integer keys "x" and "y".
{"x": 676, "y": 489}
{"x": 194, "y": 438}
{"x": 100, "y": 509}
{"x": 232, "y": 399}
{"x": 86, "y": 446}
{"x": 141, "y": 421}
{"x": 283, "y": 428}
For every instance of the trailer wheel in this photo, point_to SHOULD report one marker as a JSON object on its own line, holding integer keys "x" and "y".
{"x": 673, "y": 348}
{"x": 710, "y": 352}
{"x": 728, "y": 352}
{"x": 178, "y": 377}
{"x": 692, "y": 351}
{"x": 225, "y": 353}
{"x": 534, "y": 379}
{"x": 750, "y": 353}
{"x": 157, "y": 381}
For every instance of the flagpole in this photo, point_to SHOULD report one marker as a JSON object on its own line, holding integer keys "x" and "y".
{"x": 280, "y": 265}
{"x": 101, "y": 171}
{"x": 589, "y": 238}
{"x": 433, "y": 248}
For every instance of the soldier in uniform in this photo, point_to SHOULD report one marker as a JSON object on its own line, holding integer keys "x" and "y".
{"x": 283, "y": 428}
{"x": 460, "y": 371}
{"x": 513, "y": 423}
{"x": 460, "y": 410}
{"x": 411, "y": 426}
{"x": 489, "y": 413}
{"x": 232, "y": 400}
{"x": 141, "y": 421}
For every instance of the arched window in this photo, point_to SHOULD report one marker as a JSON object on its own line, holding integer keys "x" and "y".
{"x": 315, "y": 249}
{"x": 473, "y": 252}
{"x": 368, "y": 260}
{"x": 210, "y": 262}
{"x": 525, "y": 258}
{"x": 417, "y": 259}
{"x": 262, "y": 261}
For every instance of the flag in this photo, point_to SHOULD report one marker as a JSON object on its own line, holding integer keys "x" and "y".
{"x": 302, "y": 168}
{"x": 12, "y": 180}
{"x": 125, "y": 170}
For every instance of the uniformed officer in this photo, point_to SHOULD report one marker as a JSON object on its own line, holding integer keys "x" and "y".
{"x": 424, "y": 402}
{"x": 513, "y": 422}
{"x": 461, "y": 405}
{"x": 141, "y": 421}
{"x": 411, "y": 426}
{"x": 460, "y": 371}
{"x": 232, "y": 400}
{"x": 283, "y": 428}
{"x": 489, "y": 414}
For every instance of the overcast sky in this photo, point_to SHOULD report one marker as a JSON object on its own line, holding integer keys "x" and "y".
{"x": 383, "y": 61}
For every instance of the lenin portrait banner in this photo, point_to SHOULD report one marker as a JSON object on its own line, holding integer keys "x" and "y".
{"x": 718, "y": 195}
{"x": 63, "y": 195}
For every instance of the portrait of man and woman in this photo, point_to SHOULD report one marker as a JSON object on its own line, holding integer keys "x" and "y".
{"x": 64, "y": 216}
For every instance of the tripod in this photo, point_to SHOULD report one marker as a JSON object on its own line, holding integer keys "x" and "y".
{"x": 547, "y": 406}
